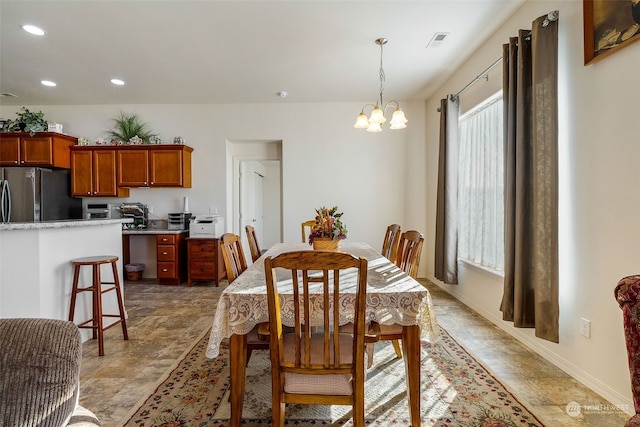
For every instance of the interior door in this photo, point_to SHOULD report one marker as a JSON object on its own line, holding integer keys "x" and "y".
{"x": 251, "y": 209}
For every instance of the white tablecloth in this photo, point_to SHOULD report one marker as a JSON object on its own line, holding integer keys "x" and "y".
{"x": 392, "y": 297}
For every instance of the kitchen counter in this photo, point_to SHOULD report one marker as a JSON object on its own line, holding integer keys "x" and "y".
{"x": 43, "y": 225}
{"x": 36, "y": 272}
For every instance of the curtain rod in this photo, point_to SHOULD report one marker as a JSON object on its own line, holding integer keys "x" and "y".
{"x": 551, "y": 16}
{"x": 478, "y": 77}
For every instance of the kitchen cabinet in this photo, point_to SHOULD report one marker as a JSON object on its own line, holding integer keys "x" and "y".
{"x": 171, "y": 258}
{"x": 93, "y": 173}
{"x": 205, "y": 260}
{"x": 47, "y": 149}
{"x": 154, "y": 166}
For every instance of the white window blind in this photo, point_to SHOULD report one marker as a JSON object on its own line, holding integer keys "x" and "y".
{"x": 481, "y": 186}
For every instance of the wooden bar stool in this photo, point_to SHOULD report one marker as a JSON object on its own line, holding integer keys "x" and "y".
{"x": 97, "y": 290}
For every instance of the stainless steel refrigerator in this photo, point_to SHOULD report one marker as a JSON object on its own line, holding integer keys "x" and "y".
{"x": 37, "y": 194}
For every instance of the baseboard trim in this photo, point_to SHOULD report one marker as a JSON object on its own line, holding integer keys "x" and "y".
{"x": 620, "y": 401}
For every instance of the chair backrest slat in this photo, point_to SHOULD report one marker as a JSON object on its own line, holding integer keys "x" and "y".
{"x": 390, "y": 244}
{"x": 233, "y": 255}
{"x": 409, "y": 251}
{"x": 254, "y": 247}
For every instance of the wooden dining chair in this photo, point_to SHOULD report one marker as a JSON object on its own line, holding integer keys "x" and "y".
{"x": 390, "y": 244}
{"x": 316, "y": 364}
{"x": 305, "y": 225}
{"x": 235, "y": 264}
{"x": 254, "y": 247}
{"x": 408, "y": 260}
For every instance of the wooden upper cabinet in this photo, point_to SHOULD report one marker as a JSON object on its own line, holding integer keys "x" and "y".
{"x": 43, "y": 149}
{"x": 9, "y": 150}
{"x": 170, "y": 167}
{"x": 93, "y": 173}
{"x": 133, "y": 167}
{"x": 154, "y": 166}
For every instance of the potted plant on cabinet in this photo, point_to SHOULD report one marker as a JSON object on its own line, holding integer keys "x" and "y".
{"x": 26, "y": 121}
{"x": 128, "y": 126}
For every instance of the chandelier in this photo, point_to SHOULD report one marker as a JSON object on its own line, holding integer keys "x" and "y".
{"x": 376, "y": 119}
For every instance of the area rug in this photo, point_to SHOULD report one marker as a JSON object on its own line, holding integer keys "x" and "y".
{"x": 456, "y": 390}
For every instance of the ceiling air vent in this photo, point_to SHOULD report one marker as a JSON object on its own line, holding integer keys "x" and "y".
{"x": 8, "y": 95}
{"x": 437, "y": 39}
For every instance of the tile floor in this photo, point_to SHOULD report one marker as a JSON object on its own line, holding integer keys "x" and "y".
{"x": 164, "y": 321}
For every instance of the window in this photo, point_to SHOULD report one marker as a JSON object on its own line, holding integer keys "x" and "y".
{"x": 481, "y": 186}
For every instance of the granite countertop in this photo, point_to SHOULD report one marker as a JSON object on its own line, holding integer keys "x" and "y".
{"x": 61, "y": 224}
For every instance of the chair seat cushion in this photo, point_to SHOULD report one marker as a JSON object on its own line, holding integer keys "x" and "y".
{"x": 318, "y": 384}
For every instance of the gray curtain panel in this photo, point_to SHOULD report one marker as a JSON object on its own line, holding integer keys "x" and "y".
{"x": 446, "y": 244}
{"x": 530, "y": 66}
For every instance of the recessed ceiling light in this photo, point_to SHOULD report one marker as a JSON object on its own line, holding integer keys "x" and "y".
{"x": 32, "y": 29}
{"x": 117, "y": 82}
{"x": 48, "y": 83}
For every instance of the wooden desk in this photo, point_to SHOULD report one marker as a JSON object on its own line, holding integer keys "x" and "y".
{"x": 171, "y": 253}
{"x": 392, "y": 297}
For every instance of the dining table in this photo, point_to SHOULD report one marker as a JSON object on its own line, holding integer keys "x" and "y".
{"x": 393, "y": 297}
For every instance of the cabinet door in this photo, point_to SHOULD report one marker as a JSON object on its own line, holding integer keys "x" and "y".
{"x": 81, "y": 173}
{"x": 165, "y": 168}
{"x": 9, "y": 150}
{"x": 36, "y": 151}
{"x": 133, "y": 168}
{"x": 104, "y": 173}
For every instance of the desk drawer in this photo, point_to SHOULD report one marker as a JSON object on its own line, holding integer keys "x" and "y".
{"x": 202, "y": 268}
{"x": 203, "y": 250}
{"x": 166, "y": 239}
{"x": 166, "y": 253}
{"x": 166, "y": 270}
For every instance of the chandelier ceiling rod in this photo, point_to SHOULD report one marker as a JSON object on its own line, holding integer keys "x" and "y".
{"x": 377, "y": 118}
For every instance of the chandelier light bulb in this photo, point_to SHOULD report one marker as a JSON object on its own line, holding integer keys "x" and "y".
{"x": 398, "y": 121}
{"x": 374, "y": 127}
{"x": 362, "y": 122}
{"x": 377, "y": 116}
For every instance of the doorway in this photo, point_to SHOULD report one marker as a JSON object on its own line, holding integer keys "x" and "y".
{"x": 254, "y": 193}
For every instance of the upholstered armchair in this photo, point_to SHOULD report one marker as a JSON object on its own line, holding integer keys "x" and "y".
{"x": 627, "y": 294}
{"x": 40, "y": 374}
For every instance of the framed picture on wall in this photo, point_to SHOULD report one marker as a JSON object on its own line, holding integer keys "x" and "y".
{"x": 609, "y": 26}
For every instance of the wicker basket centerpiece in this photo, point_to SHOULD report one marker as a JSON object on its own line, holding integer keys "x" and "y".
{"x": 328, "y": 230}
{"x": 325, "y": 244}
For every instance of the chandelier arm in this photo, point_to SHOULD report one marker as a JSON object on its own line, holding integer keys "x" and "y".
{"x": 368, "y": 105}
{"x": 393, "y": 103}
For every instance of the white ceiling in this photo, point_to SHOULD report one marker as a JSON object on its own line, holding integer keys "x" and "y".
{"x": 210, "y": 51}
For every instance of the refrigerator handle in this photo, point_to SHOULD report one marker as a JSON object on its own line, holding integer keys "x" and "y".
{"x": 5, "y": 201}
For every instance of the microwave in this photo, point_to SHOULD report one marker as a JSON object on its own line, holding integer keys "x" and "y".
{"x": 102, "y": 211}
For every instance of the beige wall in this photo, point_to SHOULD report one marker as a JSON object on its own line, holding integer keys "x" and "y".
{"x": 599, "y": 198}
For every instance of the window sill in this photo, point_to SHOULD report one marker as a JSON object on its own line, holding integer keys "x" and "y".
{"x": 485, "y": 270}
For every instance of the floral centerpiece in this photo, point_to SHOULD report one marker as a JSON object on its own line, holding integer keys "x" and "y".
{"x": 328, "y": 228}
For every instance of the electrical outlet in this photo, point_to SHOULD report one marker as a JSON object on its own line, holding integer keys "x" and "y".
{"x": 585, "y": 327}
{"x": 150, "y": 209}
{"x": 213, "y": 209}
